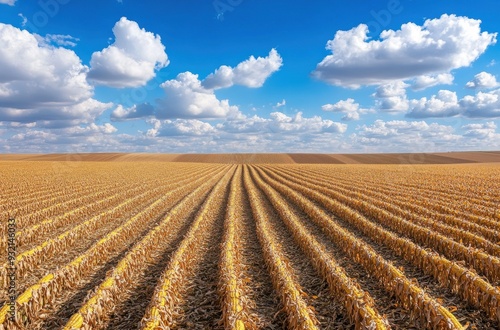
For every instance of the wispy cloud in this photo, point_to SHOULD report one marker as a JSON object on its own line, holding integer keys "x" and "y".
{"x": 8, "y": 2}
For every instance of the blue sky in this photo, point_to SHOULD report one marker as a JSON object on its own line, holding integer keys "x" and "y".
{"x": 249, "y": 76}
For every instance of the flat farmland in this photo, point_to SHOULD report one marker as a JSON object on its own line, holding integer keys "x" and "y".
{"x": 118, "y": 241}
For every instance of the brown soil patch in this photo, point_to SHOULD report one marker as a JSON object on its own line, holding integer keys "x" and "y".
{"x": 236, "y": 158}
{"x": 478, "y": 156}
{"x": 404, "y": 158}
{"x": 314, "y": 159}
{"x": 298, "y": 158}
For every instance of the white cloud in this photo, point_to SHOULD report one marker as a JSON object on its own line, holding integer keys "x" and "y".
{"x": 280, "y": 104}
{"x": 8, "y": 2}
{"x": 83, "y": 112}
{"x": 250, "y": 73}
{"x": 187, "y": 98}
{"x": 27, "y": 125}
{"x": 279, "y": 123}
{"x": 482, "y": 105}
{"x": 384, "y": 129}
{"x": 447, "y": 104}
{"x": 391, "y": 97}
{"x": 483, "y": 80}
{"x": 393, "y": 104}
{"x": 444, "y": 104}
{"x": 131, "y": 60}
{"x": 412, "y": 136}
{"x": 134, "y": 112}
{"x": 41, "y": 83}
{"x": 60, "y": 40}
{"x": 240, "y": 133}
{"x": 277, "y": 126}
{"x": 23, "y": 18}
{"x": 283, "y": 123}
{"x": 348, "y": 107}
{"x": 90, "y": 138}
{"x": 397, "y": 88}
{"x": 93, "y": 128}
{"x": 34, "y": 135}
{"x": 277, "y": 133}
{"x": 438, "y": 46}
{"x": 423, "y": 82}
{"x": 481, "y": 131}
{"x": 182, "y": 127}
{"x": 33, "y": 74}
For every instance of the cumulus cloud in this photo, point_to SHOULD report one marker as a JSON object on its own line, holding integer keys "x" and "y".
{"x": 480, "y": 131}
{"x": 349, "y": 108}
{"x": 397, "y": 88}
{"x": 250, "y": 73}
{"x": 181, "y": 127}
{"x": 482, "y": 105}
{"x": 404, "y": 135}
{"x": 34, "y": 135}
{"x": 179, "y": 136}
{"x": 34, "y": 75}
{"x": 8, "y": 2}
{"x": 42, "y": 83}
{"x": 240, "y": 133}
{"x": 423, "y": 82}
{"x": 444, "y": 104}
{"x": 136, "y": 111}
{"x": 391, "y": 97}
{"x": 283, "y": 123}
{"x": 83, "y": 112}
{"x": 393, "y": 104}
{"x": 438, "y": 46}
{"x": 187, "y": 98}
{"x": 93, "y": 128}
{"x": 384, "y": 129}
{"x": 89, "y": 138}
{"x": 447, "y": 104}
{"x": 279, "y": 123}
{"x": 483, "y": 80}
{"x": 132, "y": 59}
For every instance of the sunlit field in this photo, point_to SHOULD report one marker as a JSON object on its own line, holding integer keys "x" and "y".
{"x": 174, "y": 245}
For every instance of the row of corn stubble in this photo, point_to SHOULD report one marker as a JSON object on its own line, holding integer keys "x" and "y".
{"x": 458, "y": 250}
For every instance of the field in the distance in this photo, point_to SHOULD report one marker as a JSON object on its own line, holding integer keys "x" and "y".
{"x": 297, "y": 158}
{"x": 183, "y": 243}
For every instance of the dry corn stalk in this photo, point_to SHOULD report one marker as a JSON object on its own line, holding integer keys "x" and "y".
{"x": 412, "y": 297}
{"x": 162, "y": 310}
{"x": 94, "y": 311}
{"x": 48, "y": 288}
{"x": 234, "y": 309}
{"x": 299, "y": 314}
{"x": 359, "y": 304}
{"x": 476, "y": 290}
{"x": 427, "y": 208}
{"x": 482, "y": 262}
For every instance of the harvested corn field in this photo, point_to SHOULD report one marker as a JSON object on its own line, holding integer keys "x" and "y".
{"x": 170, "y": 245}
